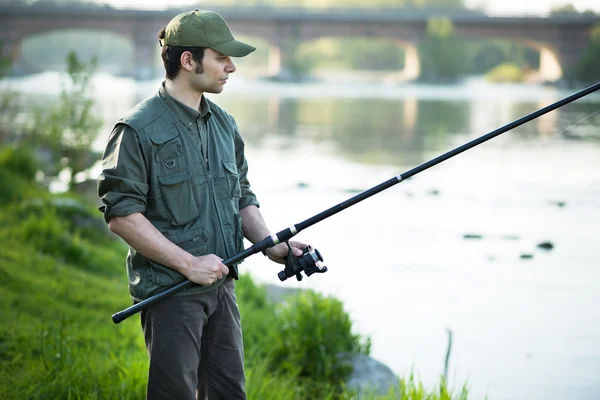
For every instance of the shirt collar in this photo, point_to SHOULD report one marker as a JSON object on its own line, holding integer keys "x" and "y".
{"x": 186, "y": 114}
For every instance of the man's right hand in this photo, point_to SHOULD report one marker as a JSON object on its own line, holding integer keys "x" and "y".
{"x": 206, "y": 270}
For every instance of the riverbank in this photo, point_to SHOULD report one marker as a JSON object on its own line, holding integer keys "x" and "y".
{"x": 63, "y": 277}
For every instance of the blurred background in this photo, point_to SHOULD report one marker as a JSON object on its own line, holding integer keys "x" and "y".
{"x": 496, "y": 245}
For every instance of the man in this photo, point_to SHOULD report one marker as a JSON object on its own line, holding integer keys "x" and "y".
{"x": 174, "y": 186}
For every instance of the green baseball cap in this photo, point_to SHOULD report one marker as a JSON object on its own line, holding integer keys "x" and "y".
{"x": 204, "y": 29}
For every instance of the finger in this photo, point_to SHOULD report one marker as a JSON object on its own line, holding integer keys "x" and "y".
{"x": 277, "y": 257}
{"x": 224, "y": 269}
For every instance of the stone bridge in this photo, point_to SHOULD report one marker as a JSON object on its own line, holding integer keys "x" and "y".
{"x": 560, "y": 40}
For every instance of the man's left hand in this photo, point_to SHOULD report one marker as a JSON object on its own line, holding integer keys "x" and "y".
{"x": 279, "y": 253}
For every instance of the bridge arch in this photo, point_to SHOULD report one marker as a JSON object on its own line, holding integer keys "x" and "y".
{"x": 114, "y": 51}
{"x": 550, "y": 69}
{"x": 546, "y": 68}
{"x": 141, "y": 34}
{"x": 402, "y": 55}
{"x": 540, "y": 38}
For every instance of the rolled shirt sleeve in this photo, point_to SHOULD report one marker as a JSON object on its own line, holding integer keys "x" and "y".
{"x": 123, "y": 182}
{"x": 248, "y": 197}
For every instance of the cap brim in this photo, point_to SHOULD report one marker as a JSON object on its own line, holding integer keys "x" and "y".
{"x": 234, "y": 48}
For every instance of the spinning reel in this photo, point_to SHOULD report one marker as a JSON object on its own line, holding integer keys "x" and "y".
{"x": 309, "y": 262}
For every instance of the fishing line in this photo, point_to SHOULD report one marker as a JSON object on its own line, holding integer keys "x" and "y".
{"x": 572, "y": 126}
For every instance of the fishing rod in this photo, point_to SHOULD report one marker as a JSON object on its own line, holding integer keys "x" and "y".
{"x": 310, "y": 260}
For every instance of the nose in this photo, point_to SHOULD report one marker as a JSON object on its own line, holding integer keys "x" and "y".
{"x": 230, "y": 68}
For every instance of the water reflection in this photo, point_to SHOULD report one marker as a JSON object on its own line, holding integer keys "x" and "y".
{"x": 397, "y": 125}
{"x": 403, "y": 132}
{"x": 372, "y": 131}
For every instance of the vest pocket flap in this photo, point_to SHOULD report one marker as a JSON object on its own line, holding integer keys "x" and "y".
{"x": 163, "y": 136}
{"x": 230, "y": 166}
{"x": 175, "y": 178}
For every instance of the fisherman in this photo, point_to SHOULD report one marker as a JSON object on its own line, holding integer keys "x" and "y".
{"x": 174, "y": 185}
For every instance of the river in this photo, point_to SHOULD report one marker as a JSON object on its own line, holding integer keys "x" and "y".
{"x": 455, "y": 247}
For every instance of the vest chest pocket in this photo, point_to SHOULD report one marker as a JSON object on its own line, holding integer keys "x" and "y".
{"x": 230, "y": 188}
{"x": 168, "y": 153}
{"x": 176, "y": 191}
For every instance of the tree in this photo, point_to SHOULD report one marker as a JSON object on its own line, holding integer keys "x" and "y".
{"x": 442, "y": 56}
{"x": 566, "y": 9}
{"x": 69, "y": 127}
{"x": 587, "y": 68}
{"x": 8, "y": 102}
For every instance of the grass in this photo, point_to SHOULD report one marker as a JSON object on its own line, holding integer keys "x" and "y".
{"x": 60, "y": 282}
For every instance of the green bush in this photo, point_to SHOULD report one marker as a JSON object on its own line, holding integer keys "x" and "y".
{"x": 17, "y": 173}
{"x": 53, "y": 226}
{"x": 71, "y": 124}
{"x": 312, "y": 332}
{"x": 505, "y": 73}
{"x": 586, "y": 69}
{"x": 256, "y": 314}
{"x": 19, "y": 160}
{"x": 12, "y": 187}
{"x": 51, "y": 236}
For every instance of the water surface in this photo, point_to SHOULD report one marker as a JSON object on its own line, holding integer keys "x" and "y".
{"x": 455, "y": 247}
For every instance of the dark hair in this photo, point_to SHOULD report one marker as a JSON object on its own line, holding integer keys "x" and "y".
{"x": 171, "y": 56}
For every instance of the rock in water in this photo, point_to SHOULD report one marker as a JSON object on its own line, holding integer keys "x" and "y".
{"x": 546, "y": 246}
{"x": 369, "y": 376}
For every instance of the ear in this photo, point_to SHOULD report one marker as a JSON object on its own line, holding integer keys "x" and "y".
{"x": 186, "y": 61}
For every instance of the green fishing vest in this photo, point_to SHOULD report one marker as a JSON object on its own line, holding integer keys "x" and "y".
{"x": 192, "y": 201}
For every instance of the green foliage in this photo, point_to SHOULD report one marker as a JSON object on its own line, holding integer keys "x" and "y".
{"x": 8, "y": 111}
{"x": 56, "y": 339}
{"x": 440, "y": 28}
{"x": 587, "y": 68}
{"x": 19, "y": 160}
{"x": 48, "y": 51}
{"x": 17, "y": 173}
{"x": 4, "y": 62}
{"x": 8, "y": 101}
{"x": 505, "y": 73}
{"x": 70, "y": 126}
{"x": 565, "y": 9}
{"x": 352, "y": 53}
{"x": 442, "y": 57}
{"x": 483, "y": 55}
{"x": 256, "y": 313}
{"x": 313, "y": 332}
{"x": 412, "y": 390}
{"x": 60, "y": 284}
{"x": 57, "y": 228}
{"x": 12, "y": 187}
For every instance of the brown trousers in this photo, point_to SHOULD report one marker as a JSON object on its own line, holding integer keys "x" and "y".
{"x": 195, "y": 344}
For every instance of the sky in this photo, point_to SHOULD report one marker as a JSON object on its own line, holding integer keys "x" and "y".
{"x": 502, "y": 7}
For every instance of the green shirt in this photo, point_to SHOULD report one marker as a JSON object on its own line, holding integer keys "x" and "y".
{"x": 186, "y": 171}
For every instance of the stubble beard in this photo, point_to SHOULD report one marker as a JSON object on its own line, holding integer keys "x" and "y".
{"x": 202, "y": 88}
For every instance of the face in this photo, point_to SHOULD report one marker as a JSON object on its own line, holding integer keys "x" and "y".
{"x": 210, "y": 75}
